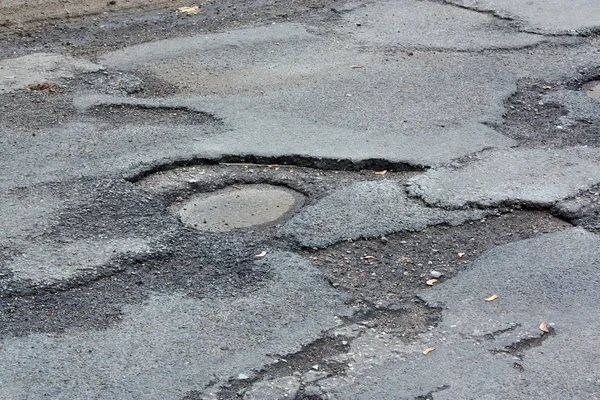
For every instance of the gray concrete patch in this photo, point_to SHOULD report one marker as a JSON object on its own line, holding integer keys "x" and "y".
{"x": 487, "y": 350}
{"x": 538, "y": 177}
{"x": 551, "y": 16}
{"x": 410, "y": 25}
{"x": 19, "y": 73}
{"x": 172, "y": 344}
{"x": 53, "y": 233}
{"x": 49, "y": 264}
{"x": 275, "y": 389}
{"x": 238, "y": 207}
{"x": 367, "y": 209}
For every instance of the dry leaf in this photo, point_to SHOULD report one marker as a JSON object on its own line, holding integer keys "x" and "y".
{"x": 404, "y": 259}
{"x": 460, "y": 255}
{"x": 428, "y": 350}
{"x": 380, "y": 172}
{"x": 492, "y": 297}
{"x": 189, "y": 10}
{"x": 261, "y": 255}
{"x": 431, "y": 282}
{"x": 368, "y": 257}
{"x": 544, "y": 327}
{"x": 356, "y": 66}
{"x": 42, "y": 86}
{"x": 362, "y": 275}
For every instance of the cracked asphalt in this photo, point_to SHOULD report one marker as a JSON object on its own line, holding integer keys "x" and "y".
{"x": 309, "y": 200}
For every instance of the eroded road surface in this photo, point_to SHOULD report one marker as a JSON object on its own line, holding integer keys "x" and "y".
{"x": 320, "y": 199}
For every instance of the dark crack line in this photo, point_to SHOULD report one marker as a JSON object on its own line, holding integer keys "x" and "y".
{"x": 521, "y": 24}
{"x": 295, "y": 160}
{"x": 429, "y": 396}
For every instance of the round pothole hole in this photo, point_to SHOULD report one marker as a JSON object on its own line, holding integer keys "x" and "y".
{"x": 239, "y": 206}
{"x": 592, "y": 89}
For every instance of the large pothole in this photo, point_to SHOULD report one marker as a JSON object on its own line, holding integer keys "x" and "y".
{"x": 238, "y": 206}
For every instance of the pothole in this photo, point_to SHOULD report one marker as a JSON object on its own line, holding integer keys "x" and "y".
{"x": 146, "y": 115}
{"x": 238, "y": 206}
{"x": 592, "y": 89}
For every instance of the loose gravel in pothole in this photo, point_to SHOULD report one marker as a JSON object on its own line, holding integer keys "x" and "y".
{"x": 386, "y": 269}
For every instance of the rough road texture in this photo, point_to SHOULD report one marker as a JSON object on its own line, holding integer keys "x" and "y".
{"x": 430, "y": 154}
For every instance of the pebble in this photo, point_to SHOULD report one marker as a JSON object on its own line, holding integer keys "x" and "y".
{"x": 436, "y": 274}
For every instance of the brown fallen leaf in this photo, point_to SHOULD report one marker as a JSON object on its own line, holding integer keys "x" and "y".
{"x": 404, "y": 259}
{"x": 380, "y": 172}
{"x": 492, "y": 297}
{"x": 42, "y": 86}
{"x": 460, "y": 255}
{"x": 431, "y": 282}
{"x": 428, "y": 350}
{"x": 261, "y": 255}
{"x": 368, "y": 257}
{"x": 189, "y": 10}
{"x": 544, "y": 327}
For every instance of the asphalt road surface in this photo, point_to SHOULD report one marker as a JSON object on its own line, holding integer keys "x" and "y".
{"x": 308, "y": 200}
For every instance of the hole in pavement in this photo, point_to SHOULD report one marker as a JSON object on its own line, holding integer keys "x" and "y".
{"x": 238, "y": 206}
{"x": 147, "y": 115}
{"x": 592, "y": 89}
{"x": 534, "y": 122}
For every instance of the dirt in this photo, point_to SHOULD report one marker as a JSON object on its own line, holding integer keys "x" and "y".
{"x": 394, "y": 267}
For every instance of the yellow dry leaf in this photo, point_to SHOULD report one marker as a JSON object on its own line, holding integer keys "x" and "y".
{"x": 261, "y": 255}
{"x": 492, "y": 297}
{"x": 189, "y": 10}
{"x": 544, "y": 327}
{"x": 460, "y": 255}
{"x": 431, "y": 282}
{"x": 380, "y": 172}
{"x": 368, "y": 257}
{"x": 428, "y": 350}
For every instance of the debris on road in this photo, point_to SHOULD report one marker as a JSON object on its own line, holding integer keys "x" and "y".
{"x": 189, "y": 10}
{"x": 492, "y": 298}
{"x": 428, "y": 350}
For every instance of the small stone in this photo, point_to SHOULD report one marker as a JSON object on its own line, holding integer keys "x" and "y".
{"x": 312, "y": 391}
{"x": 436, "y": 274}
{"x": 315, "y": 367}
{"x": 242, "y": 377}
